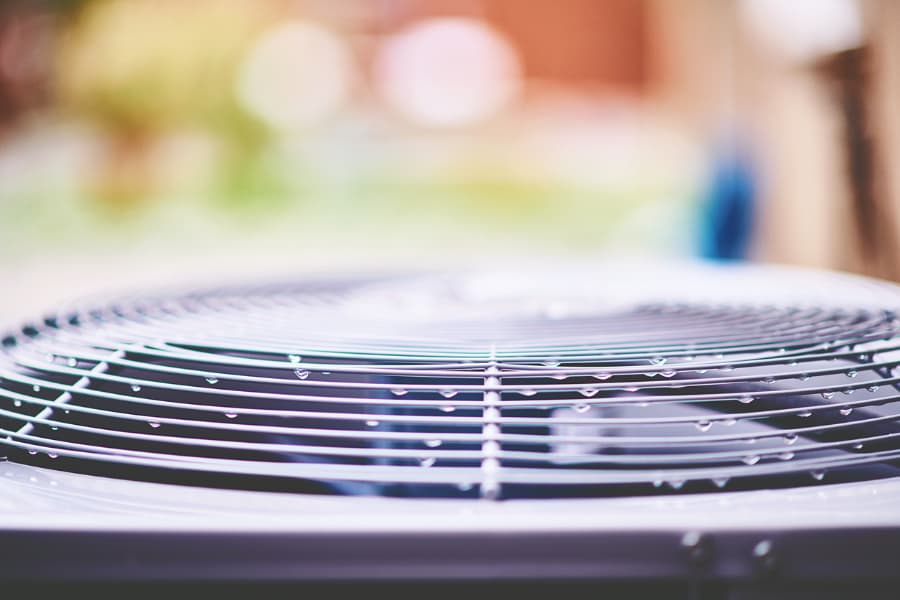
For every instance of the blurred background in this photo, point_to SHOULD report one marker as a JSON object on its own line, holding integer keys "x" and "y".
{"x": 162, "y": 141}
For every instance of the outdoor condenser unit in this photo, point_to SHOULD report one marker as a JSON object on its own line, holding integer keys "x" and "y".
{"x": 699, "y": 431}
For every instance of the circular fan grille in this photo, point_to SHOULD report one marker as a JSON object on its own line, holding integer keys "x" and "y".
{"x": 373, "y": 388}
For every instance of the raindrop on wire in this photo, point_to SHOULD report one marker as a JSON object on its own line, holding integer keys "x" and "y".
{"x": 231, "y": 415}
{"x": 751, "y": 459}
{"x": 447, "y": 392}
{"x": 398, "y": 391}
{"x": 846, "y": 411}
{"x": 427, "y": 461}
{"x": 433, "y": 443}
{"x": 818, "y": 474}
{"x": 790, "y": 439}
{"x": 588, "y": 391}
{"x": 135, "y": 387}
{"x": 301, "y": 373}
{"x": 828, "y": 395}
{"x": 372, "y": 423}
{"x": 703, "y": 425}
{"x": 212, "y": 380}
{"x": 294, "y": 358}
{"x": 153, "y": 424}
{"x": 582, "y": 408}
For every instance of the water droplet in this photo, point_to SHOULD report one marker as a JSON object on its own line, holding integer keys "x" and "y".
{"x": 658, "y": 483}
{"x": 790, "y": 439}
{"x": 872, "y": 388}
{"x": 552, "y": 362}
{"x": 769, "y": 379}
{"x": 32, "y": 451}
{"x": 447, "y": 392}
{"x": 54, "y": 428}
{"x": 135, "y": 387}
{"x": 212, "y": 380}
{"x": 852, "y": 373}
{"x": 447, "y": 408}
{"x": 865, "y": 357}
{"x": 35, "y": 388}
{"x": 295, "y": 358}
{"x": 301, "y": 373}
{"x": 828, "y": 395}
{"x": 745, "y": 398}
{"x": 17, "y": 403}
{"x": 701, "y": 371}
{"x": 818, "y": 474}
{"x": 427, "y": 461}
{"x": 726, "y": 368}
{"x": 602, "y": 376}
{"x": 231, "y": 415}
{"x": 703, "y": 425}
{"x": 528, "y": 392}
{"x": 849, "y": 391}
{"x": 720, "y": 482}
{"x": 464, "y": 486}
{"x": 669, "y": 373}
{"x": 588, "y": 391}
{"x": 751, "y": 459}
{"x": 559, "y": 376}
{"x": 804, "y": 377}
{"x": 858, "y": 446}
{"x": 153, "y": 424}
{"x": 658, "y": 360}
{"x": 676, "y": 484}
{"x": 52, "y": 455}
{"x": 582, "y": 408}
{"x": 786, "y": 455}
{"x": 72, "y": 362}
{"x": 729, "y": 422}
{"x": 846, "y": 411}
{"x": 398, "y": 391}
{"x": 804, "y": 414}
{"x": 372, "y": 423}
{"x": 433, "y": 443}
{"x": 630, "y": 388}
{"x": 651, "y": 373}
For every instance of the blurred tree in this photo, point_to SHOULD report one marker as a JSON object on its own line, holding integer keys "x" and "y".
{"x": 138, "y": 68}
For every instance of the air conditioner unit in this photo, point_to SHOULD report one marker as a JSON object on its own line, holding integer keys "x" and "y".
{"x": 715, "y": 431}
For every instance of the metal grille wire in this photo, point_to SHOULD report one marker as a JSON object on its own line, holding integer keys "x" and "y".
{"x": 296, "y": 387}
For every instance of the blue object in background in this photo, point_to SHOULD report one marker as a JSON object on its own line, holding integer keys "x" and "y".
{"x": 728, "y": 206}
